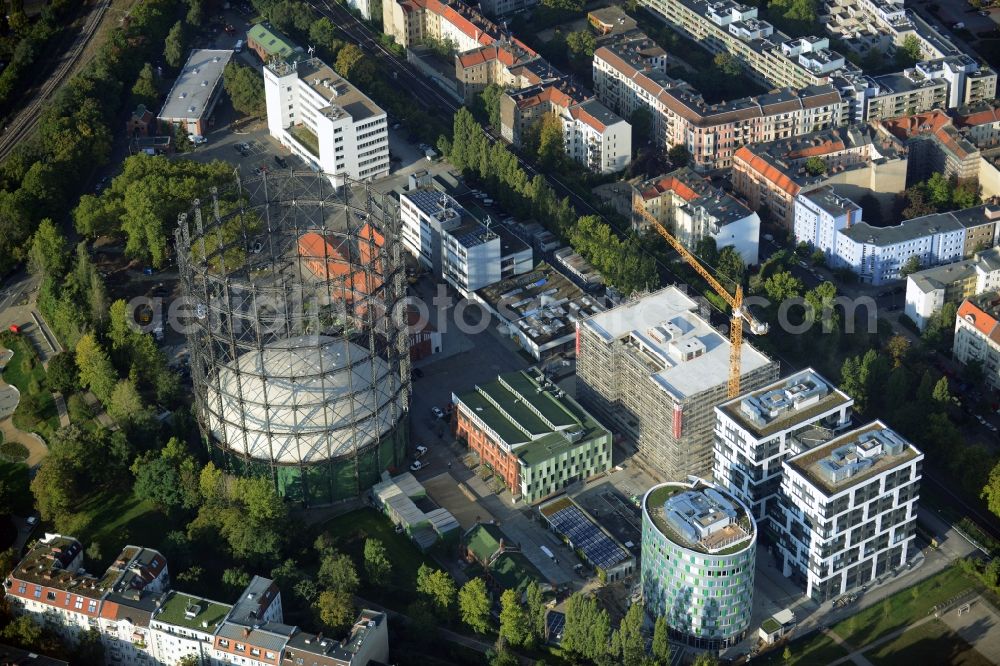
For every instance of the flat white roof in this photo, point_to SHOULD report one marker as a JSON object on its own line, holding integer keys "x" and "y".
{"x": 193, "y": 89}
{"x": 686, "y": 356}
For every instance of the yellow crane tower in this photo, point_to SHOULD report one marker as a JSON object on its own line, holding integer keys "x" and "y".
{"x": 735, "y": 300}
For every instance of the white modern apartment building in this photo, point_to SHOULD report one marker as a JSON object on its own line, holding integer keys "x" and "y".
{"x": 848, "y": 510}
{"x": 694, "y": 210}
{"x": 928, "y": 290}
{"x": 629, "y": 75}
{"x": 756, "y": 432}
{"x": 322, "y": 118}
{"x": 467, "y": 253}
{"x": 820, "y": 215}
{"x": 977, "y": 335}
{"x": 876, "y": 254}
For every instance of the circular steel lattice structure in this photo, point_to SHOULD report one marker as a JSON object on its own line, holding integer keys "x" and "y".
{"x": 295, "y": 320}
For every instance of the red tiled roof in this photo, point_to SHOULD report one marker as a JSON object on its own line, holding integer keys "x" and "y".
{"x": 670, "y": 184}
{"x": 767, "y": 170}
{"x": 813, "y": 151}
{"x": 579, "y": 113}
{"x": 981, "y": 321}
{"x": 986, "y": 117}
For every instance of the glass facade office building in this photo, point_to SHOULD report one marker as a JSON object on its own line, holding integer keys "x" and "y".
{"x": 699, "y": 544}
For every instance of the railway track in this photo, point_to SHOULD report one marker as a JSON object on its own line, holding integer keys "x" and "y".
{"x": 26, "y": 120}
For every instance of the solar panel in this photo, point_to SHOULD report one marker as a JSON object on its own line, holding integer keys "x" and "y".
{"x": 599, "y": 549}
{"x": 555, "y": 621}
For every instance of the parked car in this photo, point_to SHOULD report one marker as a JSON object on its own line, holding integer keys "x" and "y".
{"x": 421, "y": 450}
{"x": 416, "y": 373}
{"x": 197, "y": 139}
{"x": 416, "y": 466}
{"x": 437, "y": 412}
{"x": 281, "y": 161}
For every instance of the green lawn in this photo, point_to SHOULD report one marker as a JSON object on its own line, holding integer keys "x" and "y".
{"x": 930, "y": 643}
{"x": 903, "y": 607}
{"x": 24, "y": 371}
{"x": 814, "y": 649}
{"x": 116, "y": 519}
{"x": 350, "y": 531}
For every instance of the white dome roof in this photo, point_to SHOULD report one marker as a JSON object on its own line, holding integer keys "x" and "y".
{"x": 303, "y": 399}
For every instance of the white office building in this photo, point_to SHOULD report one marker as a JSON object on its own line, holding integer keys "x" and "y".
{"x": 467, "y": 253}
{"x": 928, "y": 290}
{"x": 756, "y": 432}
{"x": 820, "y": 214}
{"x": 322, "y": 118}
{"x": 848, "y": 510}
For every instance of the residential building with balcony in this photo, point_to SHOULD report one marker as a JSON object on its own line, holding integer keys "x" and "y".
{"x": 768, "y": 56}
{"x": 184, "y": 625}
{"x": 848, "y": 511}
{"x": 856, "y": 159}
{"x": 699, "y": 547}
{"x": 531, "y": 434}
{"x": 688, "y": 205}
{"x": 593, "y": 135}
{"x": 756, "y": 432}
{"x": 653, "y": 370}
{"x": 629, "y": 75}
{"x": 411, "y": 22}
{"x": 876, "y": 254}
{"x": 977, "y": 335}
{"x": 935, "y": 145}
{"x": 467, "y": 253}
{"x": 820, "y": 215}
{"x": 318, "y": 115}
{"x": 928, "y": 291}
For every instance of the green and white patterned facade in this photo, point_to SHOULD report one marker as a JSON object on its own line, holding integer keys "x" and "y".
{"x": 699, "y": 544}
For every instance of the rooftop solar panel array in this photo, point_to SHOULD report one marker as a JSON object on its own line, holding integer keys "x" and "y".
{"x": 555, "y": 622}
{"x": 599, "y": 549}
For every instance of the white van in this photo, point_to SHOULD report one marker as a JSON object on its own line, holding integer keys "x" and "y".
{"x": 239, "y": 46}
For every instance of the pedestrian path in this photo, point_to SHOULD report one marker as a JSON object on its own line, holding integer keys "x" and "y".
{"x": 57, "y": 397}
{"x": 98, "y": 410}
{"x": 9, "y": 397}
{"x": 858, "y": 657}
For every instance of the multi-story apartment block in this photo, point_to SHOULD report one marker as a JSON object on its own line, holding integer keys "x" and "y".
{"x": 322, "y": 118}
{"x": 410, "y": 22}
{"x": 592, "y": 134}
{"x": 820, "y": 215}
{"x": 756, "y": 432}
{"x": 699, "y": 546}
{"x": 509, "y": 64}
{"x": 467, "y": 253}
{"x": 141, "y": 622}
{"x": 628, "y": 75}
{"x": 856, "y": 159}
{"x": 977, "y": 335}
{"x": 848, "y": 510}
{"x": 538, "y": 439}
{"x": 935, "y": 145}
{"x": 877, "y": 254}
{"x": 770, "y": 57}
{"x": 980, "y": 124}
{"x": 693, "y": 209}
{"x": 927, "y": 291}
{"x": 653, "y": 370}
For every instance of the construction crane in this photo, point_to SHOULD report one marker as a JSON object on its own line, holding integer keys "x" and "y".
{"x": 735, "y": 300}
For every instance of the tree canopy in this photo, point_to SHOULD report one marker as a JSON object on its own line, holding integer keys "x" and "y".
{"x": 245, "y": 88}
{"x": 474, "y": 605}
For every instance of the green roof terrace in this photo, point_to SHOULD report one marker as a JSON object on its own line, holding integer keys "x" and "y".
{"x": 190, "y": 612}
{"x": 540, "y": 420}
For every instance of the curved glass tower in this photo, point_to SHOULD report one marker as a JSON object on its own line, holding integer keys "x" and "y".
{"x": 699, "y": 544}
